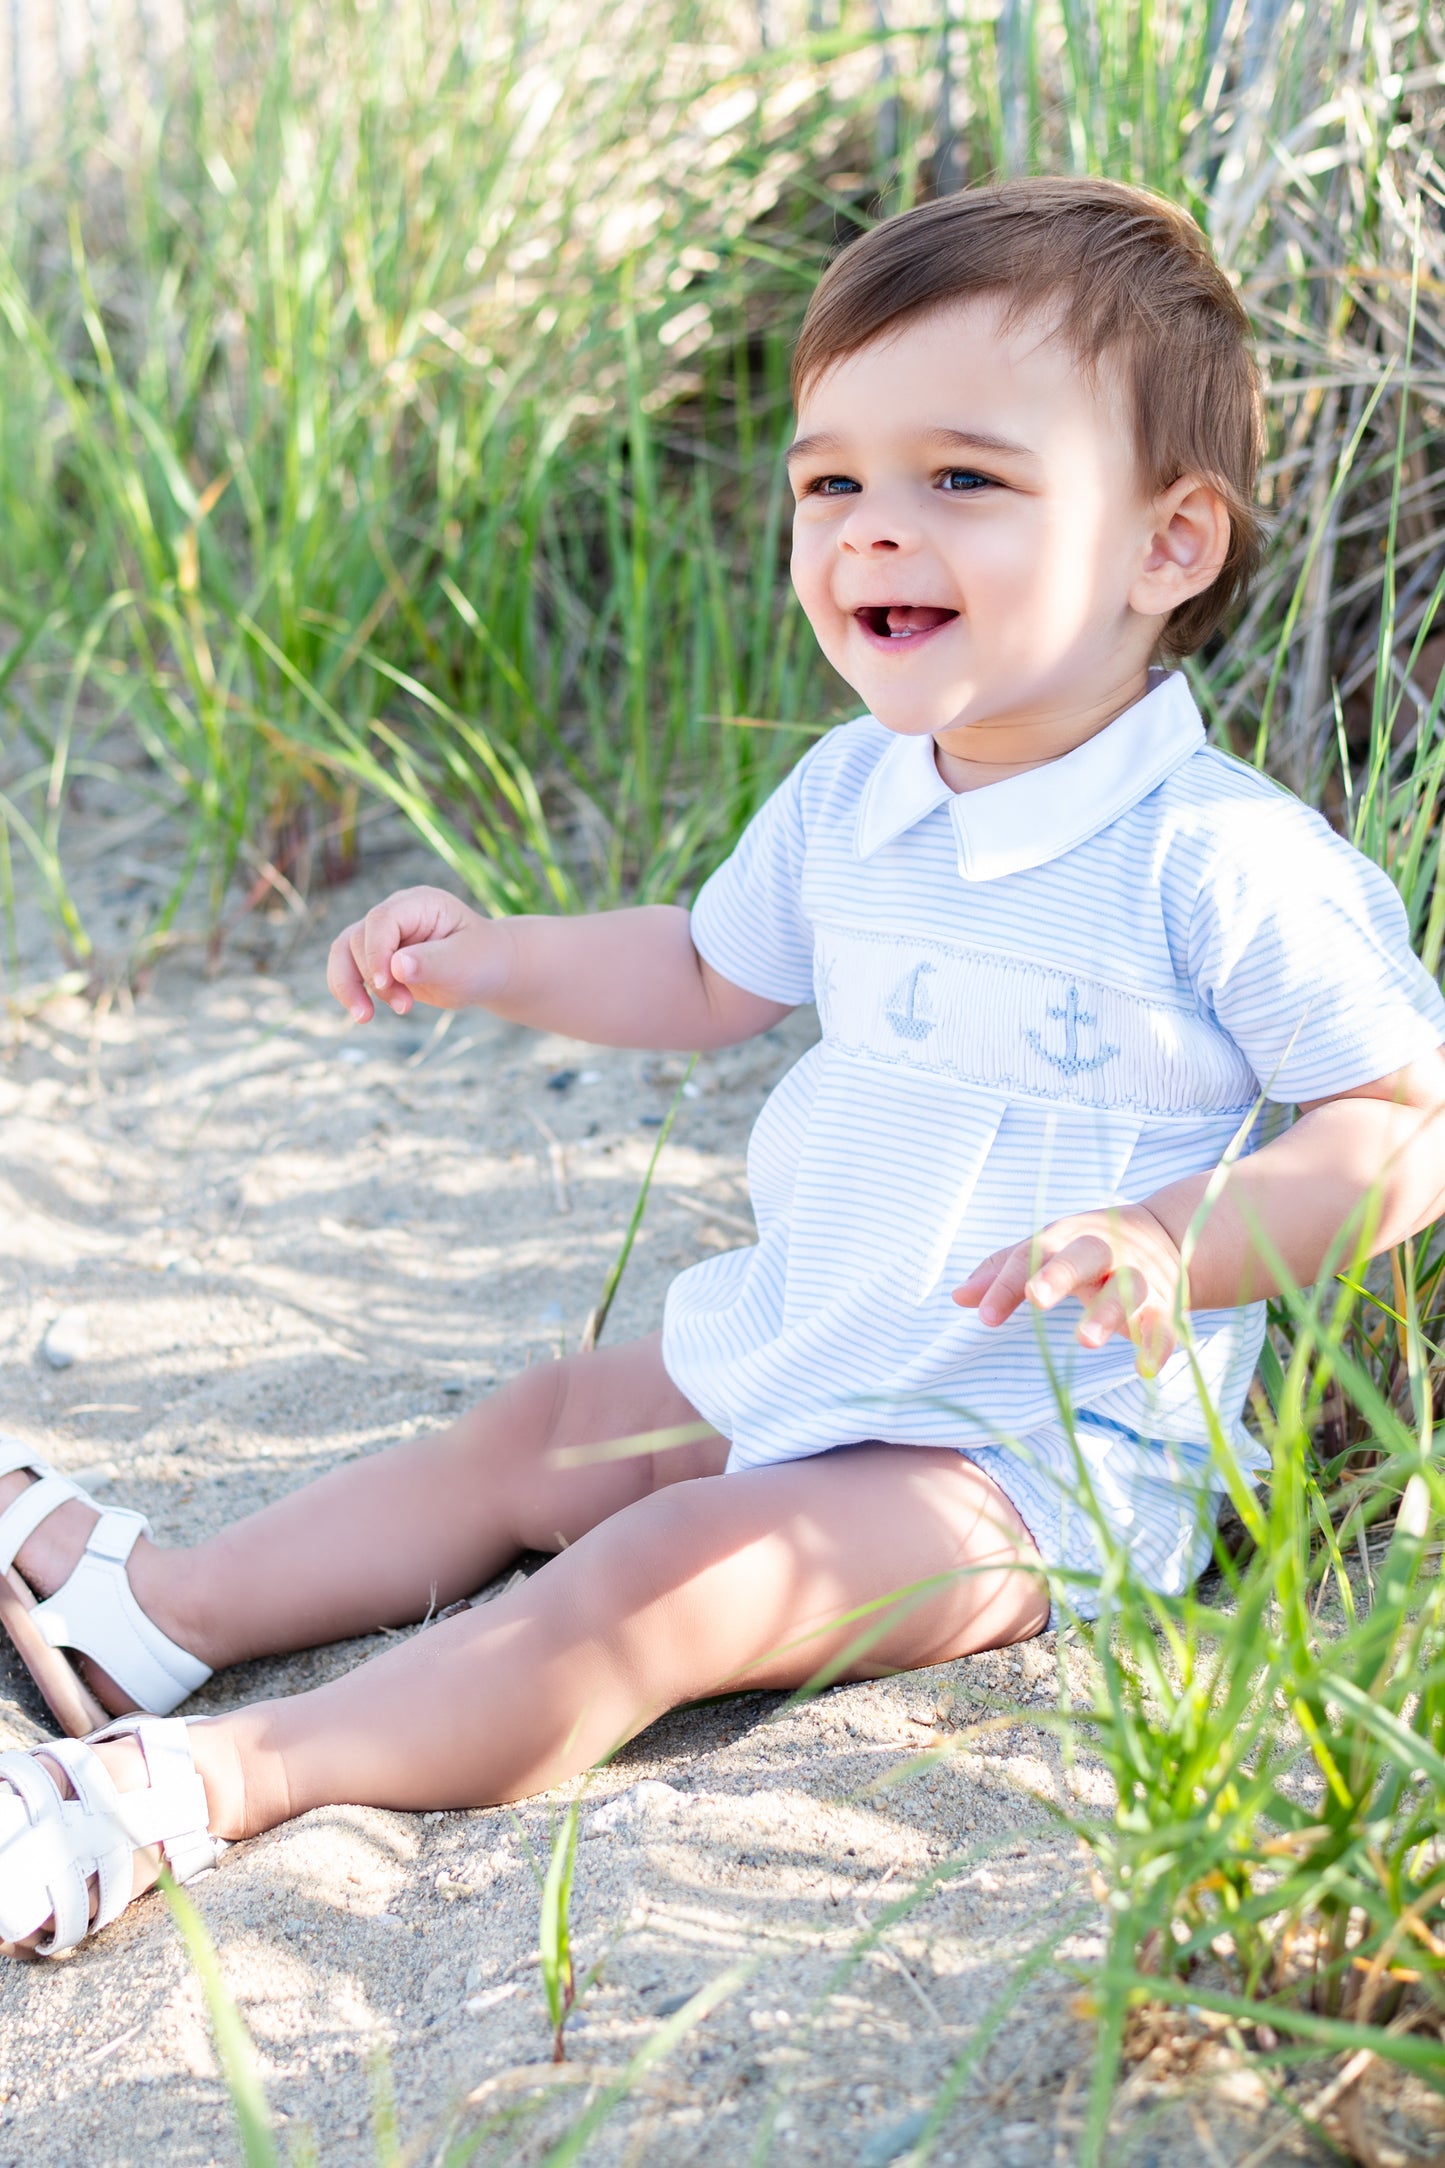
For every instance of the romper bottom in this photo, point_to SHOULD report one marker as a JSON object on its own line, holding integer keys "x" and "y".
{"x": 1161, "y": 1502}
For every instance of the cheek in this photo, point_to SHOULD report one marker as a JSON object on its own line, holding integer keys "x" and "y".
{"x": 1007, "y": 574}
{"x": 809, "y": 567}
{"x": 1062, "y": 571}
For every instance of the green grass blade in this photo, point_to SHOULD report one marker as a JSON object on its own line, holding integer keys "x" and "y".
{"x": 233, "y": 2043}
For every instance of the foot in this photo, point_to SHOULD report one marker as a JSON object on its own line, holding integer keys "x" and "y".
{"x": 125, "y": 1765}
{"x": 48, "y": 1557}
{"x": 153, "y": 1763}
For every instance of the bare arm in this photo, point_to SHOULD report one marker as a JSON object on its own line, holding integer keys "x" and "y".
{"x": 615, "y": 978}
{"x": 1368, "y": 1165}
{"x": 1366, "y": 1168}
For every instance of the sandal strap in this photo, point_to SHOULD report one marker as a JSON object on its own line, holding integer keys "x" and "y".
{"x": 173, "y": 1811}
{"x": 52, "y": 1880}
{"x": 24, "y": 1514}
{"x": 30, "y": 1780}
{"x": 16, "y": 1454}
{"x": 45, "y": 1866}
{"x": 96, "y": 1827}
{"x": 95, "y": 1611}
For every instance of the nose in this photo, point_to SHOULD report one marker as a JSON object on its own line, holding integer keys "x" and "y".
{"x": 877, "y": 526}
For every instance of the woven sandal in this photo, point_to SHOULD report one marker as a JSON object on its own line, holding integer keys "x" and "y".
{"x": 94, "y": 1612}
{"x": 50, "y": 1846}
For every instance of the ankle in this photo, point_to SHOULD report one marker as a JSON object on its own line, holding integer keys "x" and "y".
{"x": 247, "y": 1790}
{"x": 172, "y": 1595}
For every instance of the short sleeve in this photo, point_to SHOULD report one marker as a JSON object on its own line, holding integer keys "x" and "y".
{"x": 1300, "y": 948}
{"x": 748, "y": 920}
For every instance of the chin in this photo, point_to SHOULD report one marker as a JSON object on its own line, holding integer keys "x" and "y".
{"x": 916, "y": 718}
{"x": 906, "y": 726}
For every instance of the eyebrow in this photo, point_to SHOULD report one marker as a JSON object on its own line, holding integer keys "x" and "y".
{"x": 963, "y": 440}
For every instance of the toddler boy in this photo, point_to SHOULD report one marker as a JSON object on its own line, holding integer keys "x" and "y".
{"x": 1063, "y": 954}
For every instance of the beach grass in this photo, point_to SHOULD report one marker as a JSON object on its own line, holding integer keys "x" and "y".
{"x": 392, "y": 410}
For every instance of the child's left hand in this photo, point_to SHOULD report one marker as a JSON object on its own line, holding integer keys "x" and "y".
{"x": 1122, "y": 1264}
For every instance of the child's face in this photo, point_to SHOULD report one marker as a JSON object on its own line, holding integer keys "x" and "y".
{"x": 970, "y": 538}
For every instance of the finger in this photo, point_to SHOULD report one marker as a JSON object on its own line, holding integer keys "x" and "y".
{"x": 360, "y": 961}
{"x": 1102, "y": 1320}
{"x": 1003, "y": 1297}
{"x": 1125, "y": 1308}
{"x": 381, "y": 936}
{"x": 427, "y": 966}
{"x": 971, "y": 1291}
{"x": 1084, "y": 1263}
{"x": 356, "y": 948}
{"x": 1116, "y": 1308}
{"x": 374, "y": 949}
{"x": 1155, "y": 1340}
{"x": 412, "y": 916}
{"x": 345, "y": 981}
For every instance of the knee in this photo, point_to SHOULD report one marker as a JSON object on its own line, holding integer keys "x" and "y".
{"x": 640, "y": 1581}
{"x": 519, "y": 1421}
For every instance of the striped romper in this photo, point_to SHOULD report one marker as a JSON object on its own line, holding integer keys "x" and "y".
{"x": 1047, "y": 996}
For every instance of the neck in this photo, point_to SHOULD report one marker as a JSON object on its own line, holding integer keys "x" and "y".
{"x": 970, "y": 756}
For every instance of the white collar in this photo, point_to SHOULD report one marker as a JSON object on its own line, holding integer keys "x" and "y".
{"x": 1031, "y": 818}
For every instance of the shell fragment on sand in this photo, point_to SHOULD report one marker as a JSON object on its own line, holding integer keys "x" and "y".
{"x": 67, "y": 1339}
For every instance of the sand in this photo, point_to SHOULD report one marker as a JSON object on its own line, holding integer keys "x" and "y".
{"x": 273, "y": 1243}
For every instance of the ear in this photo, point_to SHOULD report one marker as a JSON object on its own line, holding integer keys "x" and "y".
{"x": 1186, "y": 543}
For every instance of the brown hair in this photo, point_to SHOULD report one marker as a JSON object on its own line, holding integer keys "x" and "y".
{"x": 1132, "y": 278}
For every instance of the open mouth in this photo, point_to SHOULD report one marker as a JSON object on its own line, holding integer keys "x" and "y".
{"x": 902, "y": 620}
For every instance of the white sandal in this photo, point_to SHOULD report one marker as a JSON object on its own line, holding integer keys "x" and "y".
{"x": 50, "y": 1846}
{"x": 95, "y": 1611}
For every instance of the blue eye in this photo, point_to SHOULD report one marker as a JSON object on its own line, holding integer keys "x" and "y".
{"x": 963, "y": 481}
{"x": 832, "y": 485}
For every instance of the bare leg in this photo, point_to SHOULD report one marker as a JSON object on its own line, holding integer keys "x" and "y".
{"x": 380, "y": 1540}
{"x": 758, "y": 1579}
{"x": 750, "y": 1580}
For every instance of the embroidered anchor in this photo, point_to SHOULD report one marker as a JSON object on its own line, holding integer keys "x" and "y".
{"x": 908, "y": 1016}
{"x": 1071, "y": 1061}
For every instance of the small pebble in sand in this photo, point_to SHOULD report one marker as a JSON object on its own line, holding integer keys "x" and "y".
{"x": 629, "y": 1806}
{"x": 671, "y": 2004}
{"x": 894, "y": 2138}
{"x": 67, "y": 1340}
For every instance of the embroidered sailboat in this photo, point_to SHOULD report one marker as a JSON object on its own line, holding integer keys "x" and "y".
{"x": 907, "y": 1007}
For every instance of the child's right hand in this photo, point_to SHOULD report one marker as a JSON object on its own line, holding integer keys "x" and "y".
{"x": 420, "y": 945}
